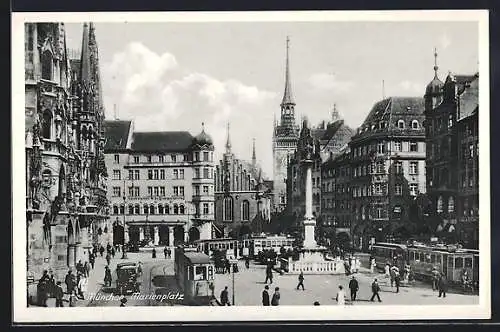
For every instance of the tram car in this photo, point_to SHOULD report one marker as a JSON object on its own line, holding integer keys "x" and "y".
{"x": 194, "y": 273}
{"x": 274, "y": 243}
{"x": 228, "y": 246}
{"x": 389, "y": 253}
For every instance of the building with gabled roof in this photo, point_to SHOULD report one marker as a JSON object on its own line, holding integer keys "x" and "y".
{"x": 161, "y": 184}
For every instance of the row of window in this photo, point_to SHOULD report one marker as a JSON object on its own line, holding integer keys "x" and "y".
{"x": 151, "y": 209}
{"x": 381, "y": 189}
{"x": 383, "y": 147}
{"x": 160, "y": 174}
{"x": 157, "y": 191}
{"x": 439, "y": 124}
{"x": 197, "y": 156}
{"x": 400, "y": 124}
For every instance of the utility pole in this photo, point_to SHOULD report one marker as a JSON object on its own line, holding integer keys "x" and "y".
{"x": 233, "y": 283}
{"x": 124, "y": 249}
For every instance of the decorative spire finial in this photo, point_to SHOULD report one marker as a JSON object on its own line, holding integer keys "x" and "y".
{"x": 203, "y": 126}
{"x": 254, "y": 158}
{"x": 228, "y": 142}
{"x": 287, "y": 96}
{"x": 435, "y": 62}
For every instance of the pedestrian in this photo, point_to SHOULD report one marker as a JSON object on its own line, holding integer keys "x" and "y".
{"x": 108, "y": 248}
{"x": 373, "y": 264}
{"x": 375, "y": 291}
{"x": 101, "y": 250}
{"x": 228, "y": 265}
{"x": 82, "y": 286}
{"x": 154, "y": 253}
{"x": 139, "y": 269}
{"x": 212, "y": 289}
{"x": 86, "y": 269}
{"x": 70, "y": 281}
{"x": 397, "y": 281}
{"x": 43, "y": 288}
{"x": 393, "y": 272}
{"x": 108, "y": 258}
{"x": 354, "y": 287}
{"x": 387, "y": 270}
{"x": 165, "y": 251}
{"x": 59, "y": 294}
{"x": 123, "y": 301}
{"x": 107, "y": 277}
{"x": 275, "y": 301}
{"x": 113, "y": 252}
{"x": 269, "y": 274}
{"x": 51, "y": 284}
{"x": 442, "y": 285}
{"x": 435, "y": 278}
{"x": 79, "y": 267}
{"x": 224, "y": 297}
{"x": 340, "y": 296}
{"x": 247, "y": 262}
{"x": 72, "y": 298}
{"x": 169, "y": 253}
{"x": 92, "y": 260}
{"x": 301, "y": 281}
{"x": 265, "y": 296}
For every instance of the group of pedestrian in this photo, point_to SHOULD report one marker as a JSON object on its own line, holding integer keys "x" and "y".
{"x": 275, "y": 299}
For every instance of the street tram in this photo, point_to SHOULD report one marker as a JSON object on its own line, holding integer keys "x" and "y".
{"x": 226, "y": 245}
{"x": 389, "y": 252}
{"x": 194, "y": 273}
{"x": 274, "y": 243}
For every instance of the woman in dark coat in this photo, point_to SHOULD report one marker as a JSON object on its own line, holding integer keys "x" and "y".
{"x": 442, "y": 285}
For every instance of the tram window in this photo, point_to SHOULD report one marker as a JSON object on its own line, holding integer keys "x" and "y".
{"x": 450, "y": 262}
{"x": 273, "y": 244}
{"x": 427, "y": 258}
{"x": 190, "y": 273}
{"x": 200, "y": 273}
{"x": 459, "y": 263}
{"x": 468, "y": 262}
{"x": 417, "y": 256}
{"x": 433, "y": 258}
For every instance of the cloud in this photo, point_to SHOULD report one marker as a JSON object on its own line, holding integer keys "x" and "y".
{"x": 161, "y": 95}
{"x": 409, "y": 86}
{"x": 445, "y": 40}
{"x": 330, "y": 82}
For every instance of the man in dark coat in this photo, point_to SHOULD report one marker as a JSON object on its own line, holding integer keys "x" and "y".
{"x": 354, "y": 287}
{"x": 397, "y": 281}
{"x": 224, "y": 297}
{"x": 101, "y": 251}
{"x": 375, "y": 291}
{"x": 70, "y": 282}
{"x": 154, "y": 253}
{"x": 269, "y": 274}
{"x": 43, "y": 289}
{"x": 59, "y": 294}
{"x": 265, "y": 296}
{"x": 442, "y": 285}
{"x": 275, "y": 301}
{"x": 301, "y": 281}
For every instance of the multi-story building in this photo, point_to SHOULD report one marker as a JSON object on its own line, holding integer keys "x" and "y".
{"x": 65, "y": 170}
{"x": 387, "y": 168}
{"x": 335, "y": 224}
{"x": 161, "y": 184}
{"x": 242, "y": 197}
{"x": 285, "y": 137}
{"x": 451, "y": 160}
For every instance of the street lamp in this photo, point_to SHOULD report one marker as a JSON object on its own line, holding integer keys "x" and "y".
{"x": 124, "y": 249}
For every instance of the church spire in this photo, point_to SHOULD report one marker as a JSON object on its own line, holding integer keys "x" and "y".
{"x": 435, "y": 63}
{"x": 228, "y": 141}
{"x": 254, "y": 158}
{"x": 287, "y": 96}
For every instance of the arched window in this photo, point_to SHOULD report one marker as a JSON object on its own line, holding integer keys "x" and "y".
{"x": 137, "y": 209}
{"x": 401, "y": 124}
{"x": 439, "y": 205}
{"x": 130, "y": 209}
{"x": 181, "y": 209}
{"x": 152, "y": 209}
{"x": 228, "y": 209}
{"x": 47, "y": 65}
{"x": 245, "y": 210}
{"x": 115, "y": 209}
{"x": 47, "y": 124}
{"x": 146, "y": 209}
{"x": 167, "y": 209}
{"x": 414, "y": 124}
{"x": 451, "y": 204}
{"x": 160, "y": 209}
{"x": 176, "y": 209}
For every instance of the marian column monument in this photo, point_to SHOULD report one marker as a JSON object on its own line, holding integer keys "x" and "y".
{"x": 312, "y": 256}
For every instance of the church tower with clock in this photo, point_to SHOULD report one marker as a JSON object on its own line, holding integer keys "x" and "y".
{"x": 285, "y": 137}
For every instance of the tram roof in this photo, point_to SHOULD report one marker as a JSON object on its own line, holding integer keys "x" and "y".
{"x": 197, "y": 257}
{"x": 392, "y": 245}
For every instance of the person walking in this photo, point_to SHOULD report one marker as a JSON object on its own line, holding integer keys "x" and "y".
{"x": 92, "y": 260}
{"x": 70, "y": 281}
{"x": 387, "y": 270}
{"x": 435, "y": 278}
{"x": 113, "y": 252}
{"x": 107, "y": 277}
{"x": 79, "y": 267}
{"x": 301, "y": 281}
{"x": 43, "y": 289}
{"x": 354, "y": 287}
{"x": 165, "y": 252}
{"x": 82, "y": 286}
{"x": 108, "y": 258}
{"x": 139, "y": 269}
{"x": 86, "y": 269}
{"x": 375, "y": 291}
{"x": 224, "y": 297}
{"x": 101, "y": 250}
{"x": 265, "y": 296}
{"x": 59, "y": 294}
{"x": 442, "y": 285}
{"x": 269, "y": 274}
{"x": 154, "y": 253}
{"x": 275, "y": 301}
{"x": 247, "y": 262}
{"x": 340, "y": 298}
{"x": 373, "y": 264}
{"x": 397, "y": 281}
{"x": 169, "y": 253}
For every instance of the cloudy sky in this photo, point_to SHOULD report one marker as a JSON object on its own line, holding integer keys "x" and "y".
{"x": 174, "y": 76}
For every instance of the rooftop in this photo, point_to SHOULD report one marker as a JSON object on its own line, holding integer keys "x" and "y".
{"x": 168, "y": 141}
{"x": 116, "y": 133}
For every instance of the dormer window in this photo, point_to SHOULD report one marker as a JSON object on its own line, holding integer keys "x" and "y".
{"x": 414, "y": 124}
{"x": 401, "y": 124}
